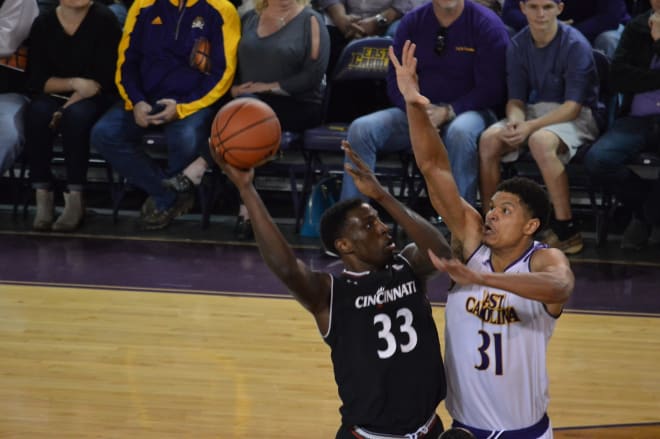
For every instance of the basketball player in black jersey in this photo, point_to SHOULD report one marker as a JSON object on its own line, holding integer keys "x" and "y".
{"x": 375, "y": 316}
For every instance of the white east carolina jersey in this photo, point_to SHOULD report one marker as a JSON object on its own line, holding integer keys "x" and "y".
{"x": 495, "y": 357}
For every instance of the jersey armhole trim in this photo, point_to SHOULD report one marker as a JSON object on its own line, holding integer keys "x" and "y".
{"x": 536, "y": 245}
{"x": 332, "y": 296}
{"x": 545, "y": 308}
{"x": 399, "y": 255}
{"x": 474, "y": 253}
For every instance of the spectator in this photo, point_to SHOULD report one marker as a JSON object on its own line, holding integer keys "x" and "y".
{"x": 282, "y": 57}
{"x": 601, "y": 21}
{"x": 176, "y": 61}
{"x": 553, "y": 97}
{"x": 461, "y": 49}
{"x": 278, "y": 66}
{"x": 73, "y": 51}
{"x": 635, "y": 72}
{"x": 16, "y": 17}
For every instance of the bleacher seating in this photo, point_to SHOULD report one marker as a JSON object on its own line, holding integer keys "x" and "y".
{"x": 361, "y": 59}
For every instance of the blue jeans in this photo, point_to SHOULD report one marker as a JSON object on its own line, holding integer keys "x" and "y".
{"x": 118, "y": 138}
{"x": 387, "y": 131}
{"x": 628, "y": 136}
{"x": 607, "y": 158}
{"x": 12, "y": 108}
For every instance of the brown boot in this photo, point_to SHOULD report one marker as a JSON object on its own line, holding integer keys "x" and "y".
{"x": 72, "y": 216}
{"x": 43, "y": 220}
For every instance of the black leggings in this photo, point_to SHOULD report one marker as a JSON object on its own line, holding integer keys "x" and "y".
{"x": 75, "y": 126}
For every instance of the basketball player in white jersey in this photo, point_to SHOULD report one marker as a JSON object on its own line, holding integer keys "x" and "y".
{"x": 508, "y": 292}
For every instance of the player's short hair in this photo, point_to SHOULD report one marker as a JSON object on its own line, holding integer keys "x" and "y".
{"x": 532, "y": 195}
{"x": 333, "y": 221}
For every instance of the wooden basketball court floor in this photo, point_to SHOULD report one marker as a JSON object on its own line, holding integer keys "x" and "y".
{"x": 116, "y": 337}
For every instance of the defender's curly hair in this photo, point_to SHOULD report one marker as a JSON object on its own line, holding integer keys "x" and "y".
{"x": 532, "y": 195}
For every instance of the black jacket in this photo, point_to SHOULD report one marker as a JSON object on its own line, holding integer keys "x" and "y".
{"x": 631, "y": 67}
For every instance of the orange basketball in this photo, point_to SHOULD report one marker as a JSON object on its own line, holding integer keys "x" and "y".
{"x": 246, "y": 133}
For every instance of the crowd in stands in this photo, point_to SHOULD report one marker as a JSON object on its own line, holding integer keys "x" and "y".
{"x": 502, "y": 76}
{"x": 70, "y": 77}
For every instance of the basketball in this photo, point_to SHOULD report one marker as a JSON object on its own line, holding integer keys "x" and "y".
{"x": 246, "y": 133}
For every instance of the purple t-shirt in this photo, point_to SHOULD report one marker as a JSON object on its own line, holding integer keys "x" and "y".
{"x": 564, "y": 70}
{"x": 469, "y": 72}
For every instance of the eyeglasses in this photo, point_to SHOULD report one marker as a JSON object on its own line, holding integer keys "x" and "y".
{"x": 440, "y": 40}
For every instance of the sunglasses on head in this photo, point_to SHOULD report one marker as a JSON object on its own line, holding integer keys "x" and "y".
{"x": 440, "y": 40}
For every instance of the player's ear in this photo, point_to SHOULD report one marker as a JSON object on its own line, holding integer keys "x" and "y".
{"x": 531, "y": 226}
{"x": 343, "y": 245}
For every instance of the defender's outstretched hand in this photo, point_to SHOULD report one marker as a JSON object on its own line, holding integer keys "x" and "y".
{"x": 406, "y": 74}
{"x": 239, "y": 177}
{"x": 363, "y": 176}
{"x": 458, "y": 271}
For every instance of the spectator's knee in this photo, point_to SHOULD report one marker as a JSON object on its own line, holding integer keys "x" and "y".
{"x": 77, "y": 117}
{"x": 459, "y": 139}
{"x": 596, "y": 164}
{"x": 590, "y": 163}
{"x": 490, "y": 146}
{"x": 98, "y": 136}
{"x": 543, "y": 145}
{"x": 361, "y": 134}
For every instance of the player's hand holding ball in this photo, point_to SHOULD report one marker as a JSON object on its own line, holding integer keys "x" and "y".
{"x": 240, "y": 177}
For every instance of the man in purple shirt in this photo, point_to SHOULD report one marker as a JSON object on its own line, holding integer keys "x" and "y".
{"x": 601, "y": 21}
{"x": 635, "y": 72}
{"x": 461, "y": 47}
{"x": 553, "y": 94}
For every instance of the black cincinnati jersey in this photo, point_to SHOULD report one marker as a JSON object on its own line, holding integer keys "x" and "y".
{"x": 385, "y": 349}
